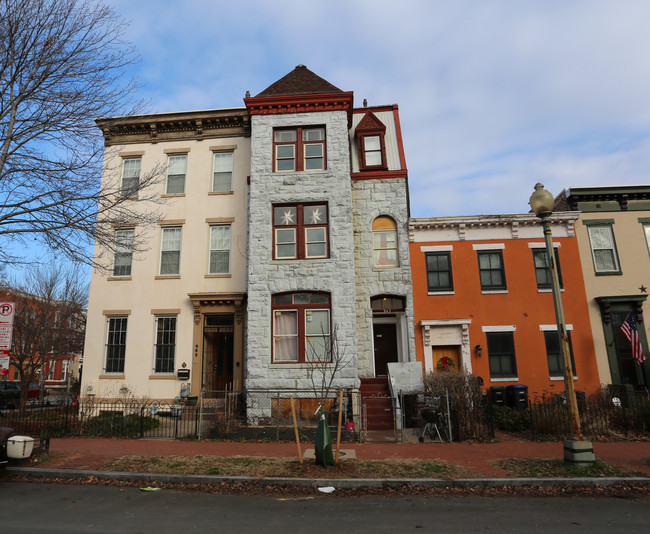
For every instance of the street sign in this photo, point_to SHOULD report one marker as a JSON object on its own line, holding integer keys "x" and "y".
{"x": 5, "y": 337}
{"x": 7, "y": 310}
{"x": 4, "y": 362}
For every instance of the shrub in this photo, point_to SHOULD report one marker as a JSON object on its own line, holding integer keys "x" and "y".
{"x": 465, "y": 401}
{"x": 116, "y": 424}
{"x": 511, "y": 420}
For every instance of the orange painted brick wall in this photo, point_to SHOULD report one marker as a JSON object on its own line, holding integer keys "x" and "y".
{"x": 522, "y": 306}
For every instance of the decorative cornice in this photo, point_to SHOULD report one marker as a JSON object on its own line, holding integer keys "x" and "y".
{"x": 235, "y": 300}
{"x": 305, "y": 103}
{"x": 175, "y": 126}
{"x": 379, "y": 175}
{"x": 514, "y": 221}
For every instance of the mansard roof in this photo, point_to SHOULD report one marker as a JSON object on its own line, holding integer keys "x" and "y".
{"x": 300, "y": 81}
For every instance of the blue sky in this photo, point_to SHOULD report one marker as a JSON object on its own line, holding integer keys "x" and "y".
{"x": 494, "y": 96}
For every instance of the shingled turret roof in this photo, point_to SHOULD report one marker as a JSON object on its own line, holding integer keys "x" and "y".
{"x": 300, "y": 81}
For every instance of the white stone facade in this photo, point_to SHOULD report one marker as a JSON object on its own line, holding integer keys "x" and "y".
{"x": 266, "y": 277}
{"x": 371, "y": 199}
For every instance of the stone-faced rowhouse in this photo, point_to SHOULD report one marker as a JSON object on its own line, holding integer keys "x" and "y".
{"x": 284, "y": 234}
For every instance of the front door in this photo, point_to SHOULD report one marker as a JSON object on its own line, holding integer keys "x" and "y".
{"x": 218, "y": 340}
{"x": 445, "y": 357}
{"x": 385, "y": 342}
{"x": 629, "y": 371}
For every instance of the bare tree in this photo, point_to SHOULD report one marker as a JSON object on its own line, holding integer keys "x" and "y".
{"x": 325, "y": 361}
{"x": 62, "y": 64}
{"x": 49, "y": 322}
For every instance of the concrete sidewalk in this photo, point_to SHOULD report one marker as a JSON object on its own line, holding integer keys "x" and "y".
{"x": 90, "y": 454}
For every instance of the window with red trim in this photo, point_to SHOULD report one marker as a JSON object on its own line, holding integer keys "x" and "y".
{"x": 370, "y": 133}
{"x": 299, "y": 149}
{"x": 300, "y": 231}
{"x": 301, "y": 327}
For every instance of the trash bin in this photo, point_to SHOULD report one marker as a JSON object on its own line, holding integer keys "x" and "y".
{"x": 517, "y": 396}
{"x": 498, "y": 395}
{"x": 20, "y": 447}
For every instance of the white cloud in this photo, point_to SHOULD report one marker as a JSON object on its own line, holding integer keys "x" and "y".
{"x": 494, "y": 96}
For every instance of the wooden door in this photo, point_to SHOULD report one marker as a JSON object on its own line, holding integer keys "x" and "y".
{"x": 439, "y": 353}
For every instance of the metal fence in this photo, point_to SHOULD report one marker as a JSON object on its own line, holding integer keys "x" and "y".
{"x": 602, "y": 416}
{"x": 269, "y": 415}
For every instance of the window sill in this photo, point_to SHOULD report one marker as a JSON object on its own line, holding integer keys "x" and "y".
{"x": 162, "y": 376}
{"x": 296, "y": 260}
{"x": 559, "y": 378}
{"x": 432, "y": 293}
{"x": 228, "y": 275}
{"x": 509, "y": 379}
{"x": 119, "y": 278}
{"x": 609, "y": 273}
{"x": 549, "y": 290}
{"x": 172, "y": 195}
{"x": 384, "y": 267}
{"x": 494, "y": 291}
{"x": 217, "y": 193}
{"x": 296, "y": 365}
{"x": 168, "y": 277}
{"x": 110, "y": 376}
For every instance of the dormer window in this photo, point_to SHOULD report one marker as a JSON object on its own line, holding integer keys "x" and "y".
{"x": 370, "y": 142}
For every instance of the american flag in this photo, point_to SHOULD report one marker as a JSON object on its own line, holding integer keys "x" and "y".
{"x": 630, "y": 332}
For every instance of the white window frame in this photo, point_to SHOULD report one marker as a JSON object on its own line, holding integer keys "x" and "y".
{"x": 612, "y": 248}
{"x": 179, "y": 162}
{"x": 219, "y": 166}
{"x": 123, "y": 332}
{"x": 164, "y": 250}
{"x": 156, "y": 344}
{"x": 124, "y": 238}
{"x": 213, "y": 248}
{"x": 131, "y": 176}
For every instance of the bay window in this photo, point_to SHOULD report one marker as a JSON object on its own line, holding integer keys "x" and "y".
{"x": 301, "y": 327}
{"x": 299, "y": 149}
{"x": 300, "y": 231}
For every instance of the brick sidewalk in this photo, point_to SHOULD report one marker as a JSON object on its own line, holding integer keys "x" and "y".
{"x": 81, "y": 453}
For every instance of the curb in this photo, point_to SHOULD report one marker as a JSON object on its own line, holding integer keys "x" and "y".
{"x": 71, "y": 474}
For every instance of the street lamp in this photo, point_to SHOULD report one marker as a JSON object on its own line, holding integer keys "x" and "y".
{"x": 576, "y": 449}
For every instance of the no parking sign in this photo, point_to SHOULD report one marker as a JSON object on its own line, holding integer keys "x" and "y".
{"x": 7, "y": 310}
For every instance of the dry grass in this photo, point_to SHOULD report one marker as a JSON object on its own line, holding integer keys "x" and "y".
{"x": 287, "y": 467}
{"x": 555, "y": 468}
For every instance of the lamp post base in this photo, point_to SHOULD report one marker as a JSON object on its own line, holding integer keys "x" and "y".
{"x": 580, "y": 453}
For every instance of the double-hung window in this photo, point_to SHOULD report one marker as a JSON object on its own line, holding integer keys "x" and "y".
{"x": 222, "y": 169}
{"x": 170, "y": 251}
{"x": 219, "y": 249}
{"x": 384, "y": 242}
{"x": 603, "y": 248}
{"x": 491, "y": 270}
{"x": 439, "y": 275}
{"x": 176, "y": 172}
{"x": 115, "y": 345}
{"x": 130, "y": 177}
{"x": 501, "y": 354}
{"x": 301, "y": 327}
{"x": 123, "y": 255}
{"x": 299, "y": 149}
{"x": 554, "y": 354}
{"x": 165, "y": 347}
{"x": 543, "y": 273}
{"x": 300, "y": 231}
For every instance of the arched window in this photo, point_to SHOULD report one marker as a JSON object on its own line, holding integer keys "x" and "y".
{"x": 384, "y": 242}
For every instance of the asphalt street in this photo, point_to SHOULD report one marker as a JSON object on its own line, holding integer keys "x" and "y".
{"x": 40, "y": 507}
